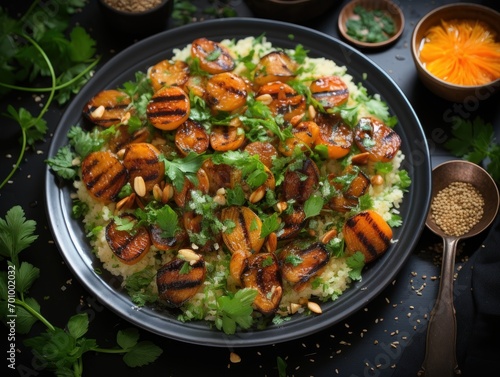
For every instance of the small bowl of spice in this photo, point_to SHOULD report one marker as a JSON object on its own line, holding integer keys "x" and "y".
{"x": 456, "y": 51}
{"x": 371, "y": 23}
{"x": 138, "y": 18}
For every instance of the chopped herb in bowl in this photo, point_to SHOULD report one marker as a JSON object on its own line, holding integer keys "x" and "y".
{"x": 370, "y": 25}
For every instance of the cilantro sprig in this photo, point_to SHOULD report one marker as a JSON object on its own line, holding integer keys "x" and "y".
{"x": 68, "y": 344}
{"x": 475, "y": 141}
{"x": 34, "y": 48}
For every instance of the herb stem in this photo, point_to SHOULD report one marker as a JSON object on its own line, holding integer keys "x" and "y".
{"x": 52, "y": 74}
{"x": 57, "y": 87}
{"x": 110, "y": 350}
{"x": 19, "y": 159}
{"x": 78, "y": 367}
{"x": 35, "y": 314}
{"x": 42, "y": 112}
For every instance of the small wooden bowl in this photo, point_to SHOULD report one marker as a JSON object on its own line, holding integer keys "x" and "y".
{"x": 441, "y": 88}
{"x": 384, "y": 5}
{"x": 137, "y": 24}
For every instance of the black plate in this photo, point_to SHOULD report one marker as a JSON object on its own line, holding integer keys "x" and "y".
{"x": 75, "y": 249}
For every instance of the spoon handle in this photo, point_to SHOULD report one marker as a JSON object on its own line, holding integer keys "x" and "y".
{"x": 440, "y": 357}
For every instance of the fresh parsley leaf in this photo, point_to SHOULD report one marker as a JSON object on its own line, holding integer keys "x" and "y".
{"x": 26, "y": 274}
{"x": 313, "y": 206}
{"x": 16, "y": 233}
{"x": 34, "y": 127}
{"x": 138, "y": 287}
{"x": 141, "y": 354}
{"x": 62, "y": 163}
{"x": 475, "y": 141}
{"x": 404, "y": 179}
{"x": 84, "y": 142}
{"x": 235, "y": 310}
{"x": 395, "y": 221}
{"x": 281, "y": 367}
{"x": 81, "y": 46}
{"x": 25, "y": 319}
{"x": 356, "y": 262}
{"x": 78, "y": 325}
{"x": 127, "y": 338}
{"x": 269, "y": 224}
{"x": 180, "y": 168}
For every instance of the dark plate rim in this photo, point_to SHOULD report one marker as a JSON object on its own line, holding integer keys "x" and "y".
{"x": 70, "y": 238}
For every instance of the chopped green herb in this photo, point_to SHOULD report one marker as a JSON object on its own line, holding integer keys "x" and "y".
{"x": 370, "y": 25}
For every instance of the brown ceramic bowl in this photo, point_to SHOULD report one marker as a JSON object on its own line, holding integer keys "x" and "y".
{"x": 290, "y": 10}
{"x": 384, "y": 5}
{"x": 137, "y": 24}
{"x": 443, "y": 89}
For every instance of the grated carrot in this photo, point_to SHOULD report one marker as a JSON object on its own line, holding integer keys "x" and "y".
{"x": 463, "y": 52}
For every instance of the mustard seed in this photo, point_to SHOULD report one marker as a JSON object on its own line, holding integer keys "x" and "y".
{"x": 457, "y": 208}
{"x": 133, "y": 6}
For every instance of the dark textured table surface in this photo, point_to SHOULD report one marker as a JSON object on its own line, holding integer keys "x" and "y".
{"x": 374, "y": 341}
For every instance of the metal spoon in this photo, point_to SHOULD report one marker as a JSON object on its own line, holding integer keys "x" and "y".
{"x": 440, "y": 357}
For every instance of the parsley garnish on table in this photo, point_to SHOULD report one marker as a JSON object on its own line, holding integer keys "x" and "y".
{"x": 66, "y": 345}
{"x": 474, "y": 140}
{"x": 370, "y": 25}
{"x": 37, "y": 49}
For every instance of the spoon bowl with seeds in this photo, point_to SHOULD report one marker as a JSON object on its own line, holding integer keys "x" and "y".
{"x": 465, "y": 201}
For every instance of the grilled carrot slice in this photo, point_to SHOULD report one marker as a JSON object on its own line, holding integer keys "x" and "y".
{"x": 166, "y": 73}
{"x": 213, "y": 57}
{"x": 238, "y": 264}
{"x": 220, "y": 176}
{"x": 196, "y": 85}
{"x": 285, "y": 100}
{"x": 368, "y": 233}
{"x": 122, "y": 137}
{"x": 330, "y": 91}
{"x": 226, "y": 138}
{"x": 265, "y": 150}
{"x": 262, "y": 273}
{"x": 191, "y": 137}
{"x": 129, "y": 246}
{"x": 104, "y": 176}
{"x": 300, "y": 183}
{"x": 348, "y": 197}
{"x": 182, "y": 196}
{"x": 293, "y": 223}
{"x": 300, "y": 262}
{"x": 179, "y": 280}
{"x": 143, "y": 160}
{"x": 166, "y": 243}
{"x": 380, "y": 141}
{"x": 169, "y": 108}
{"x": 275, "y": 66}
{"x": 107, "y": 108}
{"x": 305, "y": 134}
{"x": 226, "y": 92}
{"x": 334, "y": 134}
{"x": 246, "y": 232}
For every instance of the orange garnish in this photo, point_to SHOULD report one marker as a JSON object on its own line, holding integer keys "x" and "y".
{"x": 463, "y": 52}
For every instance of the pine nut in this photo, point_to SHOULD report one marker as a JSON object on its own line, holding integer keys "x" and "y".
{"x": 314, "y": 307}
{"x": 140, "y": 186}
{"x": 189, "y": 255}
{"x": 234, "y": 357}
{"x": 99, "y": 112}
{"x": 328, "y": 236}
{"x": 266, "y": 99}
{"x": 257, "y": 195}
